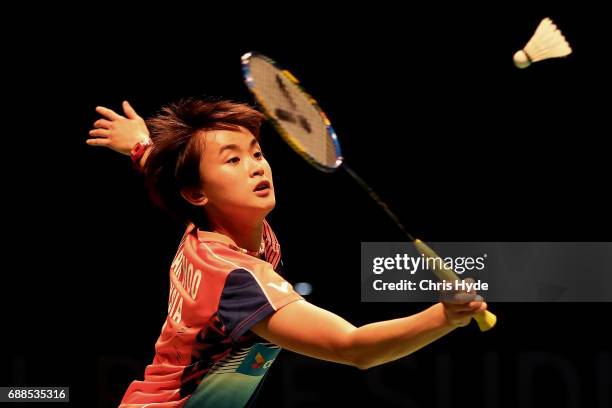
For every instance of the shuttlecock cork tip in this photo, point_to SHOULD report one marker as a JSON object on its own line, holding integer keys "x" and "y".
{"x": 521, "y": 60}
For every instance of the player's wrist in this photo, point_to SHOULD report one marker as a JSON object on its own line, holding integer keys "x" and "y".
{"x": 139, "y": 151}
{"x": 438, "y": 316}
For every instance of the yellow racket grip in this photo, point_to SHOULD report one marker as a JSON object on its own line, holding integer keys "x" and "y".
{"x": 485, "y": 320}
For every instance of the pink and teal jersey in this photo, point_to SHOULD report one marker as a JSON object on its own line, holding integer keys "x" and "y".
{"x": 206, "y": 356}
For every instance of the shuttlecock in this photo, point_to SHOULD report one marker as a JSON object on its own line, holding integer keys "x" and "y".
{"x": 547, "y": 42}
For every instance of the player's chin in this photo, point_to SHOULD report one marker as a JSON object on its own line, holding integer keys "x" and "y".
{"x": 272, "y": 199}
{"x": 265, "y": 204}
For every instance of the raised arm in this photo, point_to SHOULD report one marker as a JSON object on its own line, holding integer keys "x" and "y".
{"x": 117, "y": 132}
{"x": 307, "y": 329}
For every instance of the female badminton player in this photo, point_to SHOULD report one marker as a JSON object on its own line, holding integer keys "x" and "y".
{"x": 230, "y": 311}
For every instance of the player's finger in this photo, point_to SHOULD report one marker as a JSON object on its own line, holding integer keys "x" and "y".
{"x": 467, "y": 307}
{"x": 99, "y": 132}
{"x": 458, "y": 297}
{"x": 103, "y": 123}
{"x": 98, "y": 142}
{"x": 471, "y": 308}
{"x": 129, "y": 111}
{"x": 483, "y": 307}
{"x": 108, "y": 113}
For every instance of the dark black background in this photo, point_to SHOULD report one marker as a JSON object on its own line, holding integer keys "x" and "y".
{"x": 429, "y": 110}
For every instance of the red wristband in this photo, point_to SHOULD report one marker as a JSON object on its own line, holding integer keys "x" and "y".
{"x": 139, "y": 150}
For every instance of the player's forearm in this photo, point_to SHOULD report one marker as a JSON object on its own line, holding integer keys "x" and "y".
{"x": 381, "y": 342}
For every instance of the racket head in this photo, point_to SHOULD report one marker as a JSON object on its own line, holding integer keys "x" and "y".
{"x": 295, "y": 114}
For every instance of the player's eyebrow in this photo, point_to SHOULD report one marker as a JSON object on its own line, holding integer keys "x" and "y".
{"x": 235, "y": 146}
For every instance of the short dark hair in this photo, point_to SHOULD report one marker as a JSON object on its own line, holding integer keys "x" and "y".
{"x": 174, "y": 160}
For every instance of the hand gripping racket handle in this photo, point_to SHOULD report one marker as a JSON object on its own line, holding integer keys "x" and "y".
{"x": 486, "y": 320}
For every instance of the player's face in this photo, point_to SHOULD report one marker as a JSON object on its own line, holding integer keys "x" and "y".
{"x": 237, "y": 179}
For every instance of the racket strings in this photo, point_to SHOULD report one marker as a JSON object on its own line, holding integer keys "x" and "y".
{"x": 293, "y": 110}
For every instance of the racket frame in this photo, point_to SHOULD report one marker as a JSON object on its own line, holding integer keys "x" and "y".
{"x": 286, "y": 135}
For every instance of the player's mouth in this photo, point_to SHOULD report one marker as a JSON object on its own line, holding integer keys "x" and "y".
{"x": 262, "y": 188}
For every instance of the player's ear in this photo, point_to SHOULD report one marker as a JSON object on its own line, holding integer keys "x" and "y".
{"x": 194, "y": 196}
